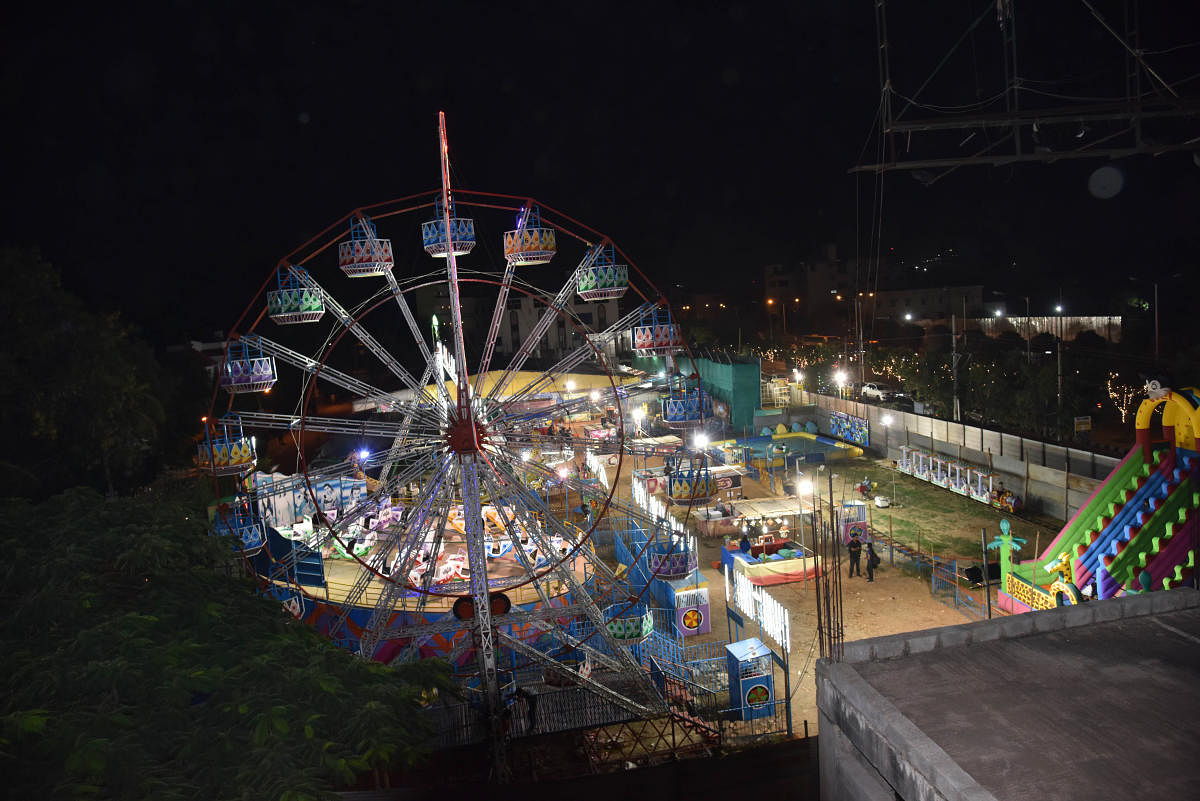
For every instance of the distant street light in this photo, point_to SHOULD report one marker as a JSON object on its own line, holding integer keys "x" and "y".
{"x": 908, "y": 316}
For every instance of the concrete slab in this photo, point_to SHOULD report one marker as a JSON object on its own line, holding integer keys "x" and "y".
{"x": 1056, "y": 707}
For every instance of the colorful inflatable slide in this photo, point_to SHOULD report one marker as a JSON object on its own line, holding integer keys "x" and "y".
{"x": 1140, "y": 530}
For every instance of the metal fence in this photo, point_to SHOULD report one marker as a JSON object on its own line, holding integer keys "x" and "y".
{"x": 946, "y": 586}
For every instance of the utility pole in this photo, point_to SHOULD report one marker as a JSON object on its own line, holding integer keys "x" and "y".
{"x": 1028, "y": 334}
{"x": 1058, "y": 309}
{"x": 954, "y": 362}
{"x": 862, "y": 350}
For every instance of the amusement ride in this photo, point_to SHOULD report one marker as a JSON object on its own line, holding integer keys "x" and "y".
{"x": 459, "y": 526}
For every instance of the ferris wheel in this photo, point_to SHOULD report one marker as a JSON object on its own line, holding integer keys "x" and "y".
{"x": 457, "y": 519}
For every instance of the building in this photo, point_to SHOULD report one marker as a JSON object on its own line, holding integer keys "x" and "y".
{"x": 934, "y": 303}
{"x": 521, "y": 316}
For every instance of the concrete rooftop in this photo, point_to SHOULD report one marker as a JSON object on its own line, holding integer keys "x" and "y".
{"x": 1093, "y": 702}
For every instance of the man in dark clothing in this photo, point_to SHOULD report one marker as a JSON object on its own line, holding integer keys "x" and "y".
{"x": 855, "y": 549}
{"x": 872, "y": 561}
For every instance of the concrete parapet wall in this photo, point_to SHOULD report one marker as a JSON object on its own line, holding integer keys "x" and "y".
{"x": 1064, "y": 617}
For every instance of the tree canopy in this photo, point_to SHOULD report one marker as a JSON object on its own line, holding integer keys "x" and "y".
{"x": 139, "y": 666}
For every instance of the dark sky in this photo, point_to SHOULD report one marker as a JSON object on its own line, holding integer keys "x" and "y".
{"x": 166, "y": 156}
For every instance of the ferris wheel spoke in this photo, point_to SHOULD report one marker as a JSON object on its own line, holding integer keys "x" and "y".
{"x": 477, "y": 559}
{"x": 555, "y": 306}
{"x": 534, "y": 508}
{"x": 437, "y": 502}
{"x": 336, "y": 425}
{"x": 342, "y": 524}
{"x": 489, "y": 344}
{"x": 401, "y": 442}
{"x": 596, "y": 342}
{"x": 462, "y": 387}
{"x": 413, "y": 527}
{"x": 406, "y": 312}
{"x": 379, "y": 560}
{"x": 312, "y": 366}
{"x": 365, "y": 337}
{"x": 565, "y": 574}
{"x": 583, "y": 488}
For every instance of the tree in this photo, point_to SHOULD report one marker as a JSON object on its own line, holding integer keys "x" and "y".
{"x": 138, "y": 668}
{"x": 78, "y": 403}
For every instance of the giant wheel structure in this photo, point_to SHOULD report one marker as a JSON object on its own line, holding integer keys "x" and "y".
{"x": 443, "y": 532}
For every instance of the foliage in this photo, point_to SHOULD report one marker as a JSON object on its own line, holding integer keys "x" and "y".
{"x": 139, "y": 668}
{"x": 81, "y": 398}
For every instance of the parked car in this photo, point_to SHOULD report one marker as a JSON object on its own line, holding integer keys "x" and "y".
{"x": 876, "y": 390}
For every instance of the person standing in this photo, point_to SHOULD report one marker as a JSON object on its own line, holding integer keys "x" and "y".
{"x": 872, "y": 561}
{"x": 855, "y": 550}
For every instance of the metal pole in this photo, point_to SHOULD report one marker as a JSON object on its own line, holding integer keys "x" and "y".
{"x": 1058, "y": 423}
{"x": 987, "y": 583}
{"x": 954, "y": 361}
{"x": 1028, "y": 334}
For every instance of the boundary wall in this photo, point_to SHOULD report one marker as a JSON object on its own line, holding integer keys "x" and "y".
{"x": 1052, "y": 479}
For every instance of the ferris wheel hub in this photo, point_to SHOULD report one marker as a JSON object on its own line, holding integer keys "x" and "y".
{"x": 465, "y": 435}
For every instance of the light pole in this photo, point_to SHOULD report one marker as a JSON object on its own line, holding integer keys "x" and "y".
{"x": 1028, "y": 334}
{"x": 839, "y": 378}
{"x": 887, "y": 428}
{"x": 1058, "y": 310}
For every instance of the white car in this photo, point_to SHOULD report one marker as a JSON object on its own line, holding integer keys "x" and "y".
{"x": 876, "y": 390}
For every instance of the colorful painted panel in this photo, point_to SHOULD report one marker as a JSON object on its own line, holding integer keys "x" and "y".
{"x": 850, "y": 429}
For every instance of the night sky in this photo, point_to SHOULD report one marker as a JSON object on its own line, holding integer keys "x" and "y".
{"x": 165, "y": 157}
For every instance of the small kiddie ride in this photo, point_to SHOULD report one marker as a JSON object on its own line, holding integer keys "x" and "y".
{"x": 865, "y": 488}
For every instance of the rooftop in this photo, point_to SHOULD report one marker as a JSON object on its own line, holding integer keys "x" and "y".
{"x": 1096, "y": 701}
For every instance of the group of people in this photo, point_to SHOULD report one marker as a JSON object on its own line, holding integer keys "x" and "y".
{"x": 855, "y": 548}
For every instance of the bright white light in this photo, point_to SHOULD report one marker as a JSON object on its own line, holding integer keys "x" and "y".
{"x": 1058, "y": 309}
{"x": 638, "y": 414}
{"x": 525, "y": 456}
{"x": 908, "y": 316}
{"x": 796, "y": 374}
{"x": 563, "y": 472}
{"x": 765, "y": 529}
{"x": 999, "y": 313}
{"x": 839, "y": 378}
{"x": 363, "y": 453}
{"x": 662, "y": 373}
{"x": 806, "y": 487}
{"x": 594, "y": 395}
{"x": 570, "y": 386}
{"x": 887, "y": 420}
{"x": 701, "y": 441}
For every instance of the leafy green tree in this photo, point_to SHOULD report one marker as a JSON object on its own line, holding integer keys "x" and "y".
{"x": 138, "y": 667}
{"x": 77, "y": 389}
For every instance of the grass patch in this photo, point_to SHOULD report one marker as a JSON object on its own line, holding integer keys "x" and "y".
{"x": 937, "y": 519}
